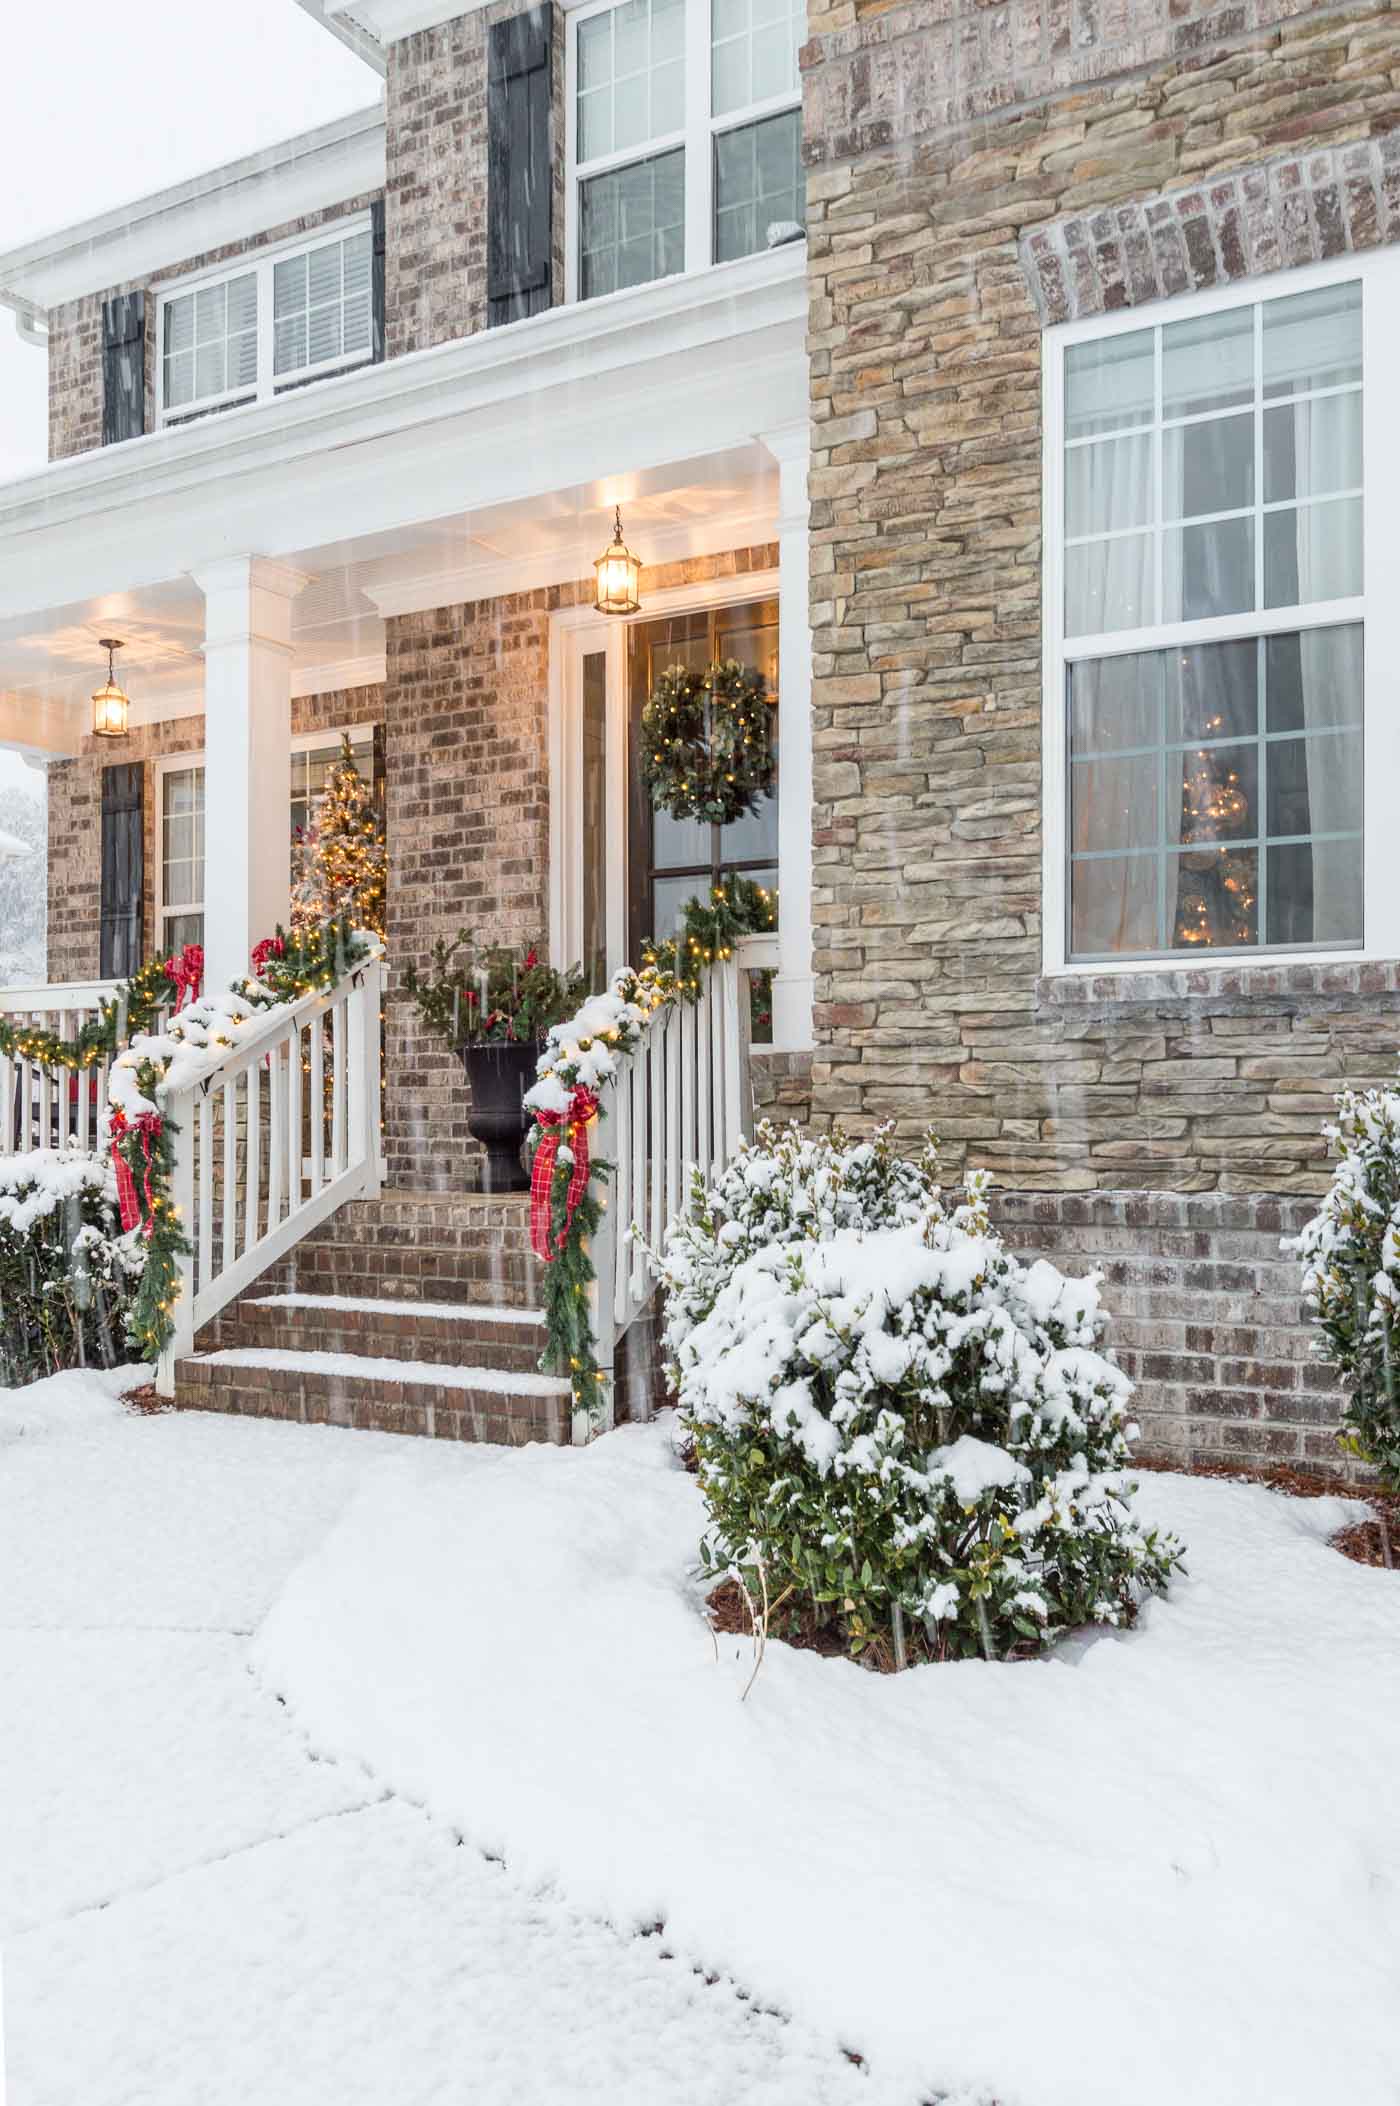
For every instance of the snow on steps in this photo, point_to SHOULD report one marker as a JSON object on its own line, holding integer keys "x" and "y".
{"x": 412, "y": 1313}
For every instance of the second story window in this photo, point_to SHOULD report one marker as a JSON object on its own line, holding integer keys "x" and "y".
{"x": 684, "y": 136}
{"x": 270, "y": 322}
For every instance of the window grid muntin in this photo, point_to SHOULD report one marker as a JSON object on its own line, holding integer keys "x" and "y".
{"x": 1260, "y": 841}
{"x": 701, "y": 129}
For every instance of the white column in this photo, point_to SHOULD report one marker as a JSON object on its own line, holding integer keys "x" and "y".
{"x": 247, "y": 756}
{"x": 792, "y": 989}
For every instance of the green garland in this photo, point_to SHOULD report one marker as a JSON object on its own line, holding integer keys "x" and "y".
{"x": 136, "y": 1005}
{"x": 671, "y": 972}
{"x": 706, "y": 750}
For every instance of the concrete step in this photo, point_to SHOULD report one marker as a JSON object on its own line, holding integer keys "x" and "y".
{"x": 390, "y": 1395}
{"x": 438, "y": 1333}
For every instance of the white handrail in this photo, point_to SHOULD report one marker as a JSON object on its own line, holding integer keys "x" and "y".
{"x": 270, "y": 1142}
{"x": 43, "y": 1106}
{"x": 681, "y": 1099}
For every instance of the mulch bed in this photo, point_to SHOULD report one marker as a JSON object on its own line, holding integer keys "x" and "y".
{"x": 1363, "y": 1542}
{"x": 145, "y": 1400}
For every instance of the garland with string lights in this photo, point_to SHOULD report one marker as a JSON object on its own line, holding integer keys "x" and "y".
{"x": 566, "y": 1204}
{"x": 706, "y": 752}
{"x": 135, "y": 1007}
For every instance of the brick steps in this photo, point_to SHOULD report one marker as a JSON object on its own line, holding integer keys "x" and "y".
{"x": 411, "y": 1313}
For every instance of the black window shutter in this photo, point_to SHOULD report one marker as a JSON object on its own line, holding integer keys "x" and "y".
{"x": 123, "y": 367}
{"x": 520, "y": 181}
{"x": 123, "y": 868}
{"x": 376, "y": 282}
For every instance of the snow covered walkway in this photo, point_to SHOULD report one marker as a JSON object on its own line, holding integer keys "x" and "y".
{"x": 194, "y": 1907}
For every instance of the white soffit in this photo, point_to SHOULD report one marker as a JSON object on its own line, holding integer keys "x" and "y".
{"x": 310, "y": 173}
{"x": 387, "y": 19}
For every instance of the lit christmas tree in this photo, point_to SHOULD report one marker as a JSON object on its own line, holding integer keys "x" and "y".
{"x": 341, "y": 865}
{"x": 1216, "y": 897}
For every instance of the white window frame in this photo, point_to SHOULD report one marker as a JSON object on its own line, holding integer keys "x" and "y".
{"x": 1378, "y": 274}
{"x": 260, "y": 262}
{"x": 697, "y": 137}
{"x": 175, "y": 763}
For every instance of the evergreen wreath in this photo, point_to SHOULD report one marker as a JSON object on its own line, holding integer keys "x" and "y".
{"x": 705, "y": 746}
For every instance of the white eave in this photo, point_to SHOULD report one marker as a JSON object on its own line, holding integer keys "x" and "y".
{"x": 385, "y": 20}
{"x": 310, "y": 173}
{"x": 668, "y": 372}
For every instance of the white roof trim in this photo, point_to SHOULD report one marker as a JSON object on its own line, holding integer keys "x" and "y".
{"x": 386, "y": 20}
{"x": 310, "y": 173}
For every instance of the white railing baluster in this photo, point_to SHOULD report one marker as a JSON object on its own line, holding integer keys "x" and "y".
{"x": 624, "y": 1212}
{"x": 674, "y": 1163}
{"x": 229, "y": 1205}
{"x": 728, "y": 974}
{"x": 276, "y": 1134}
{"x": 294, "y": 1149}
{"x": 316, "y": 1101}
{"x": 687, "y": 1135}
{"x": 205, "y": 1246}
{"x": 703, "y": 1106}
{"x": 254, "y": 1195}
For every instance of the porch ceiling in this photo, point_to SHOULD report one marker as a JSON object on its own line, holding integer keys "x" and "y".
{"x": 50, "y": 660}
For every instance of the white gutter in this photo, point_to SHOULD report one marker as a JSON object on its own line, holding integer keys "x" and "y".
{"x": 31, "y": 323}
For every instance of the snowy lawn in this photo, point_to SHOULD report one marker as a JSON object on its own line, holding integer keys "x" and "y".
{"x": 1159, "y": 1867}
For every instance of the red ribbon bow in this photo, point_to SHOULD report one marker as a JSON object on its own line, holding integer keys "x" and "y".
{"x": 583, "y": 1104}
{"x": 270, "y": 947}
{"x": 187, "y": 971}
{"x": 148, "y": 1125}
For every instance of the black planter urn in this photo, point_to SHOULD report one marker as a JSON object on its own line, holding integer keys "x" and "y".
{"x": 498, "y": 1075}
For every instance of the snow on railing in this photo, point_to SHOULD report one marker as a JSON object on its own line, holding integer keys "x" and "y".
{"x": 682, "y": 1098}
{"x": 43, "y": 1106}
{"x": 270, "y": 1141}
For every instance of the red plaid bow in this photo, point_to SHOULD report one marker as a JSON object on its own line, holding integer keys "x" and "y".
{"x": 583, "y": 1105}
{"x": 148, "y": 1125}
{"x": 187, "y": 971}
{"x": 270, "y": 947}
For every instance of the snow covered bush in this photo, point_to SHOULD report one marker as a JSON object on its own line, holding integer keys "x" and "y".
{"x": 66, "y": 1270}
{"x": 900, "y": 1429}
{"x": 1351, "y": 1273}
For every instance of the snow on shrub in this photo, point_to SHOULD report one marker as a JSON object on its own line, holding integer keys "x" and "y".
{"x": 66, "y": 1270}
{"x": 1351, "y": 1273}
{"x": 897, "y": 1425}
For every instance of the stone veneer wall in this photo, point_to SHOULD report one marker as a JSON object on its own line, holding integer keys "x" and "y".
{"x": 466, "y": 761}
{"x": 974, "y": 171}
{"x": 436, "y": 179}
{"x": 75, "y": 818}
{"x": 75, "y": 335}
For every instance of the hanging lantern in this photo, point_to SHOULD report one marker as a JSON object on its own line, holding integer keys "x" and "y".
{"x": 619, "y": 575}
{"x": 110, "y": 705}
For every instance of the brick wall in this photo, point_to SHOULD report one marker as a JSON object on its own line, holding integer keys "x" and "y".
{"x": 75, "y": 819}
{"x": 466, "y": 761}
{"x": 925, "y": 272}
{"x": 436, "y": 179}
{"x": 75, "y": 335}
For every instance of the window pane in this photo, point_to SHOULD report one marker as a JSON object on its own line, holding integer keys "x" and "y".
{"x": 1208, "y": 362}
{"x": 679, "y": 844}
{"x": 1109, "y": 384}
{"x": 181, "y": 929}
{"x": 631, "y": 224}
{"x": 289, "y": 343}
{"x": 1312, "y": 340}
{"x": 631, "y": 76}
{"x": 1216, "y": 792}
{"x": 1108, "y": 585}
{"x": 1108, "y": 485}
{"x": 179, "y": 380}
{"x": 1312, "y": 447}
{"x": 1313, "y": 680}
{"x": 1113, "y": 803}
{"x": 758, "y": 184}
{"x": 754, "y": 51}
{"x": 1208, "y": 570}
{"x": 209, "y": 369}
{"x": 1207, "y": 467}
{"x": 1315, "y": 893}
{"x": 1115, "y": 904}
{"x": 1313, "y": 553}
{"x": 179, "y": 324}
{"x": 243, "y": 302}
{"x": 1315, "y": 784}
{"x": 323, "y": 274}
{"x": 1116, "y": 704}
{"x": 289, "y": 285}
{"x": 1213, "y": 899}
{"x": 1212, "y": 691}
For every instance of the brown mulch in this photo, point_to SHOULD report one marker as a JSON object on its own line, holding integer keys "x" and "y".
{"x": 145, "y": 1400}
{"x": 1363, "y": 1542}
{"x": 798, "y": 1624}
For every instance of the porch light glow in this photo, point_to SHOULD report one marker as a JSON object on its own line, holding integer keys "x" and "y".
{"x": 110, "y": 704}
{"x": 619, "y": 575}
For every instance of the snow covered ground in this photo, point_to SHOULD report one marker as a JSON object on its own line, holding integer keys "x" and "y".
{"x": 1162, "y": 1867}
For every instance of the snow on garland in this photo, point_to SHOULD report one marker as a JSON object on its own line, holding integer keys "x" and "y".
{"x": 898, "y": 1427}
{"x": 579, "y": 1057}
{"x": 65, "y": 1268}
{"x": 706, "y": 749}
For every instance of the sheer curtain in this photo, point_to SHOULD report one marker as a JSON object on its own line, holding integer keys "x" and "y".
{"x": 1329, "y": 559}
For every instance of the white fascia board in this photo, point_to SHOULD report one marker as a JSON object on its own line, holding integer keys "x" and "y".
{"x": 611, "y": 387}
{"x": 310, "y": 173}
{"x": 386, "y": 20}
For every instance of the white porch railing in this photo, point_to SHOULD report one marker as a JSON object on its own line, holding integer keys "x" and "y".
{"x": 283, "y": 1132}
{"x": 683, "y": 1098}
{"x": 44, "y": 1107}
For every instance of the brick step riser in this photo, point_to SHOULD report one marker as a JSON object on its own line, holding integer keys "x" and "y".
{"x": 440, "y": 1343}
{"x": 419, "y": 1276}
{"x": 426, "y": 1408}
